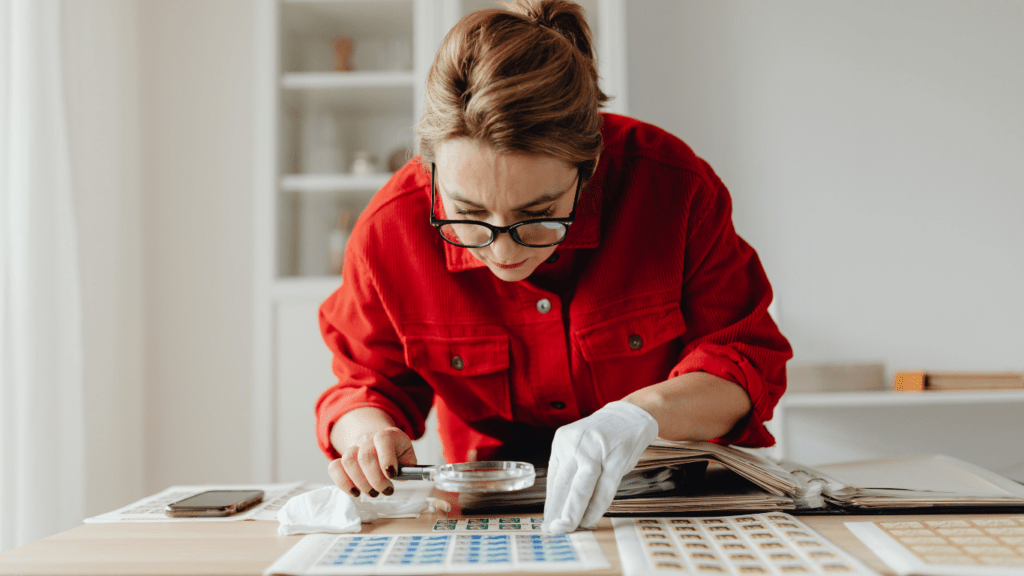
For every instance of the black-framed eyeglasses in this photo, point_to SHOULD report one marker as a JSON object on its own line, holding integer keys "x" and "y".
{"x": 534, "y": 233}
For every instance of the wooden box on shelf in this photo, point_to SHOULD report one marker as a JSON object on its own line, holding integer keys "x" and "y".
{"x": 917, "y": 381}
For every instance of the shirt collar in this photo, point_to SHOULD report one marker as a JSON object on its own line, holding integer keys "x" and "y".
{"x": 585, "y": 232}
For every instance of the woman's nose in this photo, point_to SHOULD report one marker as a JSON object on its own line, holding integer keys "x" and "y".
{"x": 504, "y": 249}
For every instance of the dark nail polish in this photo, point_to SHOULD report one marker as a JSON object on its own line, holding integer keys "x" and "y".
{"x": 355, "y": 492}
{"x": 391, "y": 473}
{"x": 373, "y": 493}
{"x": 389, "y": 491}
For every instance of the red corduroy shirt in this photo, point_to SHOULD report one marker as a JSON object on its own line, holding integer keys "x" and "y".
{"x": 651, "y": 282}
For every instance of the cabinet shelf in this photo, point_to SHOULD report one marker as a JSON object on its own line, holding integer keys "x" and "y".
{"x": 882, "y": 399}
{"x": 390, "y": 92}
{"x": 343, "y": 80}
{"x": 327, "y": 183}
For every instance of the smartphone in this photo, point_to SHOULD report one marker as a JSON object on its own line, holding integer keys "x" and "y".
{"x": 214, "y": 503}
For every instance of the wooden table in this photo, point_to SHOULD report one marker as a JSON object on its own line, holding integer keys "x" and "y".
{"x": 249, "y": 547}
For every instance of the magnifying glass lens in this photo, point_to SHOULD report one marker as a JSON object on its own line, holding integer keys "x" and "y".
{"x": 474, "y": 477}
{"x": 486, "y": 476}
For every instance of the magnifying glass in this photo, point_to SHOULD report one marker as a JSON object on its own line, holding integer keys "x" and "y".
{"x": 474, "y": 477}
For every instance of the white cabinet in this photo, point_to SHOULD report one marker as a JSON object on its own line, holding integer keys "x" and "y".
{"x": 346, "y": 105}
{"x": 323, "y": 138}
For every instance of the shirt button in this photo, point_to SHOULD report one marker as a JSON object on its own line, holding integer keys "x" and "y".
{"x": 558, "y": 405}
{"x": 553, "y": 258}
{"x": 636, "y": 342}
{"x": 457, "y": 363}
{"x": 544, "y": 305}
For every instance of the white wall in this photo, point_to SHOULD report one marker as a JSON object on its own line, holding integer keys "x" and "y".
{"x": 874, "y": 152}
{"x": 195, "y": 68}
{"x": 101, "y": 93}
{"x": 159, "y": 113}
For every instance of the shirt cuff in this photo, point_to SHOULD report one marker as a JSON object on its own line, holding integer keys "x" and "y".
{"x": 726, "y": 362}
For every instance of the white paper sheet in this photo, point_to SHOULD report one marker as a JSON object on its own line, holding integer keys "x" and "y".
{"x": 151, "y": 508}
{"x": 936, "y": 473}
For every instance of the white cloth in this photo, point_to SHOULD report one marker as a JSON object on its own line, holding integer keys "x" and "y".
{"x": 322, "y": 510}
{"x": 331, "y": 510}
{"x": 588, "y": 460}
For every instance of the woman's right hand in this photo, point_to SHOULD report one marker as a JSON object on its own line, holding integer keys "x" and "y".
{"x": 372, "y": 448}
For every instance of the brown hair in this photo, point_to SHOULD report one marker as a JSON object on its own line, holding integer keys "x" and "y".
{"x": 522, "y": 79}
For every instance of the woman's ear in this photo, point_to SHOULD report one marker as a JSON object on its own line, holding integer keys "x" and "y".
{"x": 593, "y": 170}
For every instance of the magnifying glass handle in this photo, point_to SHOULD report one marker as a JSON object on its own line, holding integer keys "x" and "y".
{"x": 415, "y": 473}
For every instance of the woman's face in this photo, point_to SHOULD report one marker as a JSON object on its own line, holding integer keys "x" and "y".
{"x": 475, "y": 182}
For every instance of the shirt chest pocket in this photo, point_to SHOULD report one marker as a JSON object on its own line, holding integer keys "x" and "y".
{"x": 470, "y": 373}
{"x": 632, "y": 334}
{"x": 633, "y": 350}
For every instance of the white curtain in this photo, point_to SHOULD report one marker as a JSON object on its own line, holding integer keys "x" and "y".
{"x": 41, "y": 401}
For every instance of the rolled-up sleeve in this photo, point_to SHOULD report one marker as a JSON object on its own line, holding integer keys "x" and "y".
{"x": 725, "y": 302}
{"x": 368, "y": 359}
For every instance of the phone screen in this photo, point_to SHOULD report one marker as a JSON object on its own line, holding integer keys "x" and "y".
{"x": 218, "y": 499}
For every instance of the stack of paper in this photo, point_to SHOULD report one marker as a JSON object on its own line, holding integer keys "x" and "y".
{"x": 735, "y": 481}
{"x": 763, "y": 472}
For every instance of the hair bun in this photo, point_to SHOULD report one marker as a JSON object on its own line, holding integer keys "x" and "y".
{"x": 519, "y": 79}
{"x": 564, "y": 17}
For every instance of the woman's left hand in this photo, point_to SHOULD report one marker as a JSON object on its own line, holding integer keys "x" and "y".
{"x": 588, "y": 460}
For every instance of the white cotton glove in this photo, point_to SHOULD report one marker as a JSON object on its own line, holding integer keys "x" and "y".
{"x": 588, "y": 460}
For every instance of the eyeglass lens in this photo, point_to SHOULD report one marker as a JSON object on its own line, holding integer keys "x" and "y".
{"x": 534, "y": 234}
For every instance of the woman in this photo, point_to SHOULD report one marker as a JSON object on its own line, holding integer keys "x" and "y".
{"x": 553, "y": 280}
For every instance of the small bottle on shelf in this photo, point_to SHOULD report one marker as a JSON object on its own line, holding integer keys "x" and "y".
{"x": 343, "y": 48}
{"x": 365, "y": 164}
